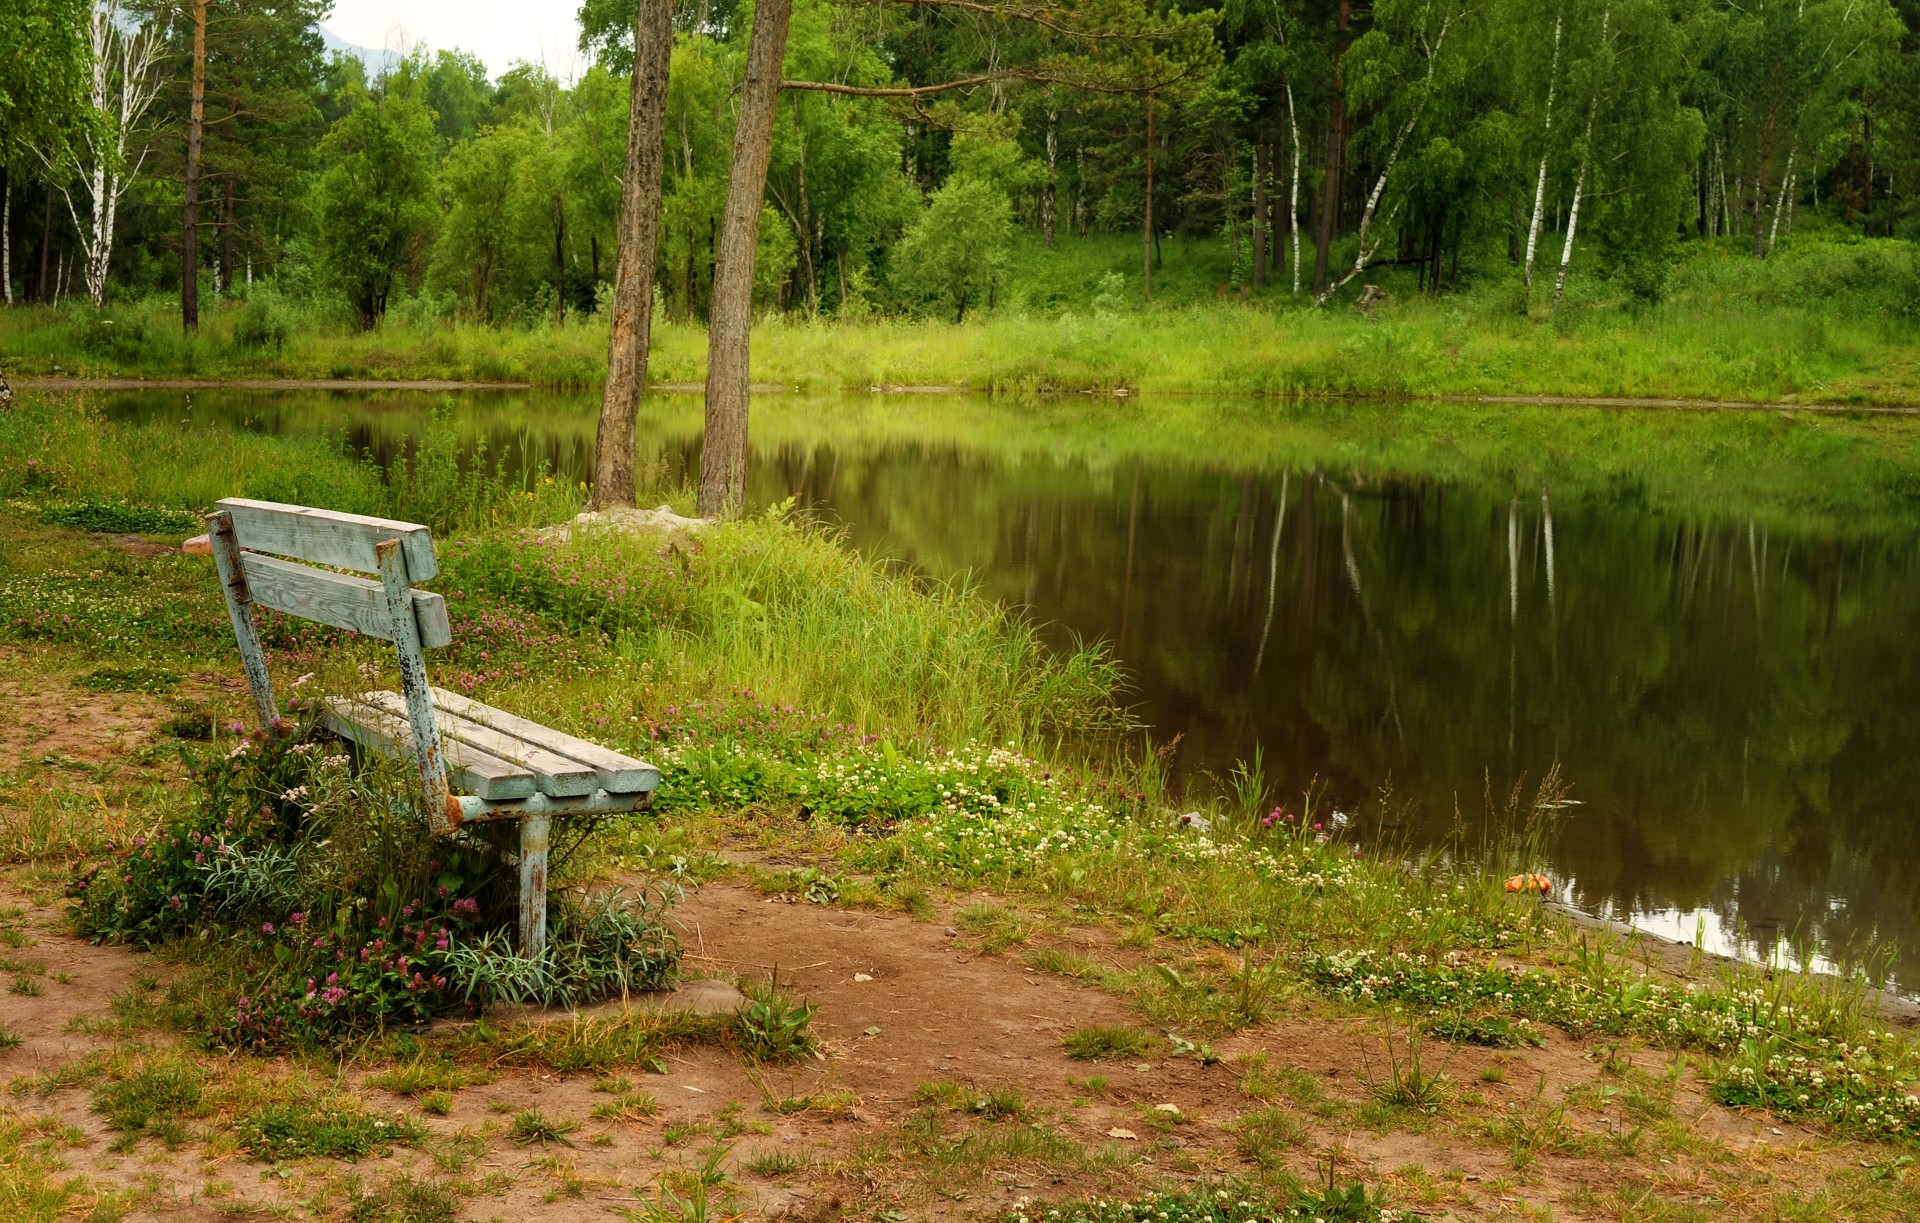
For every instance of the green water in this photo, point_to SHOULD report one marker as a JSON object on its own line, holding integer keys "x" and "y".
{"x": 1705, "y": 619}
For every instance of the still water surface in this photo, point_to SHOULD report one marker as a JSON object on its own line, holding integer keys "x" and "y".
{"x": 1728, "y": 686}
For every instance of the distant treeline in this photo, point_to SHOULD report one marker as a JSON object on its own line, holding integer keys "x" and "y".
{"x": 1316, "y": 139}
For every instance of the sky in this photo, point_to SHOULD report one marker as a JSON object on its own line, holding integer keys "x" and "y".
{"x": 498, "y": 31}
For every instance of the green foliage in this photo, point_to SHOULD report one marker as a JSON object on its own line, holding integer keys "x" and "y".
{"x": 956, "y": 252}
{"x": 137, "y": 678}
{"x": 341, "y": 913}
{"x": 323, "y": 1129}
{"x": 43, "y": 76}
{"x": 1119, "y": 1044}
{"x": 1491, "y": 1031}
{"x": 118, "y": 517}
{"x": 531, "y": 1126}
{"x": 775, "y": 1028}
{"x": 372, "y": 201}
{"x": 1237, "y": 1204}
{"x": 155, "y": 1096}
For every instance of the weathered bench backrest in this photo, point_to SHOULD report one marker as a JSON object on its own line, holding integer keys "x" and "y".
{"x": 345, "y": 541}
{"x": 246, "y": 535}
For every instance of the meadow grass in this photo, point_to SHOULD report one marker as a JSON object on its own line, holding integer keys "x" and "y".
{"x": 1828, "y": 318}
{"x": 902, "y": 738}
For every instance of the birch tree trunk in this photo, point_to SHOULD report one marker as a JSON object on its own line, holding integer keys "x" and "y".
{"x": 1573, "y": 224}
{"x": 1365, "y": 252}
{"x": 190, "y": 215}
{"x": 1540, "y": 181}
{"x": 723, "y": 461}
{"x": 1580, "y": 179}
{"x": 123, "y": 86}
{"x": 1780, "y": 205}
{"x": 1259, "y": 214}
{"x": 1053, "y": 172}
{"x": 631, "y": 330}
{"x": 1293, "y": 193}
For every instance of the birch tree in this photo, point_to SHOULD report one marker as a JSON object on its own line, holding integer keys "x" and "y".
{"x": 1546, "y": 142}
{"x": 1399, "y": 74}
{"x": 93, "y": 172}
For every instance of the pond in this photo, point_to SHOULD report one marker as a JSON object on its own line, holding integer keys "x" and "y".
{"x": 1706, "y": 620}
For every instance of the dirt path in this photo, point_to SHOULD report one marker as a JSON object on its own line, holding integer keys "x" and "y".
{"x": 907, "y": 1009}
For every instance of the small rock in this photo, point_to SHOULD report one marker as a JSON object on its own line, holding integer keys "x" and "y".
{"x": 199, "y": 545}
{"x": 1118, "y": 1132}
{"x": 860, "y": 976}
{"x": 1172, "y": 1110}
{"x": 872, "y": 1031}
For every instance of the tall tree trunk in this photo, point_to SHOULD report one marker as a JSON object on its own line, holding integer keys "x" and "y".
{"x": 631, "y": 328}
{"x": 226, "y": 238}
{"x": 1259, "y": 213}
{"x": 1146, "y": 227}
{"x": 1334, "y": 183}
{"x": 1573, "y": 223}
{"x": 1053, "y": 172}
{"x": 190, "y": 220}
{"x": 1580, "y": 179}
{"x": 43, "y": 290}
{"x": 1364, "y": 233}
{"x": 1546, "y": 145}
{"x": 723, "y": 460}
{"x": 1780, "y": 205}
{"x": 6, "y": 234}
{"x": 1293, "y": 193}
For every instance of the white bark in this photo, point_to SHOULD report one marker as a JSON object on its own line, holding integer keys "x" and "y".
{"x": 1573, "y": 223}
{"x": 1364, "y": 253}
{"x": 1580, "y": 179}
{"x": 1546, "y": 144}
{"x": 1780, "y": 205}
{"x": 123, "y": 88}
{"x": 1293, "y": 193}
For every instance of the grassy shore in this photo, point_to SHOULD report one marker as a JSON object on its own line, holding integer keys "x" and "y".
{"x": 1823, "y": 320}
{"x": 1269, "y": 1014}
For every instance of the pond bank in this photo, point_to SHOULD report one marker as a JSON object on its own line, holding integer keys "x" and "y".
{"x": 61, "y": 384}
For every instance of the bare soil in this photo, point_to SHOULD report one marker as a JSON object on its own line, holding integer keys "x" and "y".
{"x": 902, "y": 1002}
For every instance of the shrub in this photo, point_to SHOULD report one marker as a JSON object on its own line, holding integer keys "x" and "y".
{"x": 261, "y": 327}
{"x": 340, "y": 914}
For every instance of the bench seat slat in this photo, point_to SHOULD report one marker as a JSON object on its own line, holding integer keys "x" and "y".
{"x": 340, "y": 599}
{"x": 553, "y": 774}
{"x": 468, "y": 767}
{"x": 328, "y": 537}
{"x": 619, "y": 773}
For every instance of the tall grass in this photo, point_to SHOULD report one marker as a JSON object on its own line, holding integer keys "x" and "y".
{"x": 1828, "y": 317}
{"x": 58, "y": 448}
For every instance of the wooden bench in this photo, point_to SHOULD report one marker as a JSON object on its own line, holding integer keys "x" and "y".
{"x": 475, "y": 762}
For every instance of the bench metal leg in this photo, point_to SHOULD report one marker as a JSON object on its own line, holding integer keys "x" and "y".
{"x": 535, "y": 833}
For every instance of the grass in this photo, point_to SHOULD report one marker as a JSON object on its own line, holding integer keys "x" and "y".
{"x": 1827, "y": 317}
{"x": 531, "y": 1126}
{"x": 1119, "y": 1044}
{"x": 860, "y": 768}
{"x": 323, "y": 1129}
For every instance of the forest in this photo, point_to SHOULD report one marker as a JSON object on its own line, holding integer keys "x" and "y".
{"x": 929, "y": 158}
